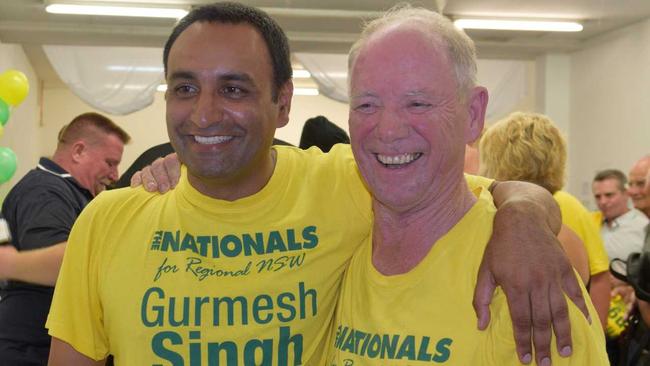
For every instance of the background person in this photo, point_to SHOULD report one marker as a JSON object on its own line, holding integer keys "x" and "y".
{"x": 621, "y": 228}
{"x": 40, "y": 210}
{"x": 529, "y": 147}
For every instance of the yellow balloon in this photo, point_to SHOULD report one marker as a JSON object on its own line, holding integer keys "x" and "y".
{"x": 14, "y": 87}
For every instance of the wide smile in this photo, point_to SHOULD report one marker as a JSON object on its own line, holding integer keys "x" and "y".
{"x": 397, "y": 161}
{"x": 212, "y": 140}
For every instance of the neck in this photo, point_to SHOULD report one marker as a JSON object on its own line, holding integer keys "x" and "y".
{"x": 64, "y": 163}
{"x": 401, "y": 239}
{"x": 240, "y": 186}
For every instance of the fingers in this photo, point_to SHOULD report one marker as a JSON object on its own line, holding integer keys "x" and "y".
{"x": 136, "y": 179}
{"x": 541, "y": 318}
{"x": 173, "y": 168}
{"x": 561, "y": 321}
{"x": 573, "y": 291}
{"x": 159, "y": 175}
{"x": 485, "y": 286}
{"x": 148, "y": 180}
{"x": 520, "y": 308}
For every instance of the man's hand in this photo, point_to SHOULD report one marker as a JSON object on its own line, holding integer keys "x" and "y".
{"x": 162, "y": 175}
{"x": 525, "y": 258}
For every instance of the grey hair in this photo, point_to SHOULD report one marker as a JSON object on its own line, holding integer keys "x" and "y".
{"x": 460, "y": 48}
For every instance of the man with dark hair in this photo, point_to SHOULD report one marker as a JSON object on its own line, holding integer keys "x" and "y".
{"x": 40, "y": 210}
{"x": 241, "y": 263}
{"x": 622, "y": 228}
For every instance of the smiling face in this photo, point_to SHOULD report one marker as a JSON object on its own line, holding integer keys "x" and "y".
{"x": 98, "y": 161}
{"x": 408, "y": 127}
{"x": 221, "y": 117}
{"x": 637, "y": 187}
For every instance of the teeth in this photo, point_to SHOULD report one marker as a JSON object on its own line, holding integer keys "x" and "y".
{"x": 398, "y": 159}
{"x": 210, "y": 140}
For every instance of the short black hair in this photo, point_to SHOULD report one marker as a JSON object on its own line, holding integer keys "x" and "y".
{"x": 276, "y": 41}
{"x": 320, "y": 131}
{"x": 612, "y": 174}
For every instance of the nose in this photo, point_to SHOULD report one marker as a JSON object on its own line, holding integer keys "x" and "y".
{"x": 207, "y": 110}
{"x": 391, "y": 126}
{"x": 114, "y": 174}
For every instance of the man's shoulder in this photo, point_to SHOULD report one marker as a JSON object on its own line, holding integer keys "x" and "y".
{"x": 339, "y": 152}
{"x": 338, "y": 162}
{"x": 117, "y": 202}
{"x": 634, "y": 218}
{"x": 38, "y": 184}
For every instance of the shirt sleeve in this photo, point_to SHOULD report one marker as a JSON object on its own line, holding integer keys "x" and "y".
{"x": 76, "y": 313}
{"x": 475, "y": 181}
{"x": 44, "y": 219}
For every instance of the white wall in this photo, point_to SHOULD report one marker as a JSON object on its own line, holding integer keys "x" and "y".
{"x": 21, "y": 133}
{"x": 553, "y": 96}
{"x": 146, "y": 127}
{"x": 610, "y": 105}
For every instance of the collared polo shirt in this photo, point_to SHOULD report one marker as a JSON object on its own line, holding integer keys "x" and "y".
{"x": 40, "y": 210}
{"x": 625, "y": 235}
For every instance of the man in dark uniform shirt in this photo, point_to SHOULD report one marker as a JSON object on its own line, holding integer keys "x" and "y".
{"x": 40, "y": 211}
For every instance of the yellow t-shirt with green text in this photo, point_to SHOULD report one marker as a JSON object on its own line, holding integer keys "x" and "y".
{"x": 425, "y": 316}
{"x": 182, "y": 278}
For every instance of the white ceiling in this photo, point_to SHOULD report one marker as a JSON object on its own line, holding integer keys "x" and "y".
{"x": 321, "y": 26}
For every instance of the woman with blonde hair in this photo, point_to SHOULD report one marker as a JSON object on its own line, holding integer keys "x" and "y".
{"x": 529, "y": 147}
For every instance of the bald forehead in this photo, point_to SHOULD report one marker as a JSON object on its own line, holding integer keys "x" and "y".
{"x": 641, "y": 167}
{"x": 401, "y": 32}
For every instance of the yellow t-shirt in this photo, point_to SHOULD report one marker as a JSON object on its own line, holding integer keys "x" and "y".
{"x": 180, "y": 277}
{"x": 184, "y": 278}
{"x": 578, "y": 219}
{"x": 425, "y": 316}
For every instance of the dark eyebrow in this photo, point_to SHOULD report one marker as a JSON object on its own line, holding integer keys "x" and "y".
{"x": 228, "y": 76}
{"x": 182, "y": 75}
{"x": 236, "y": 77}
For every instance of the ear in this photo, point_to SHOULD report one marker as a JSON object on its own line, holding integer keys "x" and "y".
{"x": 477, "y": 105}
{"x": 78, "y": 151}
{"x": 285, "y": 95}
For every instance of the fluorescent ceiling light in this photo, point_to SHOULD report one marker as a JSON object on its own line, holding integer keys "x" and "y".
{"x": 301, "y": 74}
{"x": 123, "y": 11}
{"x": 154, "y": 69}
{"x": 523, "y": 25}
{"x": 305, "y": 91}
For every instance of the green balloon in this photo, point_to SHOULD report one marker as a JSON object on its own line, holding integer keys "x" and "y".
{"x": 7, "y": 164}
{"x": 4, "y": 112}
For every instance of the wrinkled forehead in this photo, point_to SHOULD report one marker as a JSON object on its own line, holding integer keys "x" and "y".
{"x": 640, "y": 170}
{"x": 400, "y": 55}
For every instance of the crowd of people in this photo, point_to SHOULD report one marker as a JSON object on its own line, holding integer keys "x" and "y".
{"x": 371, "y": 249}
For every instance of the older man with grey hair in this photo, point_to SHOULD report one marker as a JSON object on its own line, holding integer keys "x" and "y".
{"x": 407, "y": 295}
